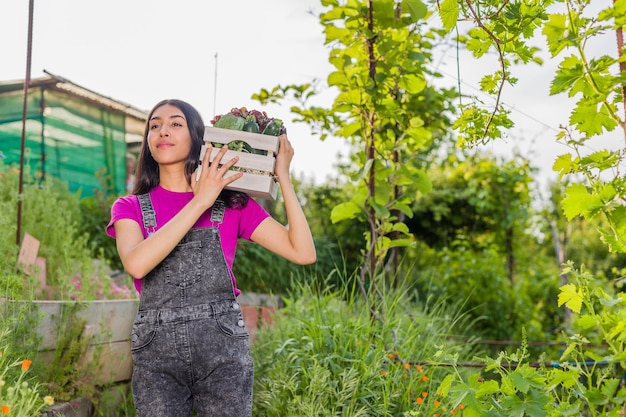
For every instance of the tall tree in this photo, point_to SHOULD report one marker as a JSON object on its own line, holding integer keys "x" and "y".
{"x": 381, "y": 51}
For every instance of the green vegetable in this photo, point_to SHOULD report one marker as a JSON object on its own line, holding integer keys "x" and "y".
{"x": 273, "y": 127}
{"x": 251, "y": 125}
{"x": 230, "y": 121}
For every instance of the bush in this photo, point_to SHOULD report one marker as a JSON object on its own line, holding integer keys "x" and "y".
{"x": 51, "y": 214}
{"x": 501, "y": 309}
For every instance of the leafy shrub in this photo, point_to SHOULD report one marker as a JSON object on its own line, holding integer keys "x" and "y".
{"x": 51, "y": 214}
{"x": 95, "y": 214}
{"x": 502, "y": 309}
{"x": 587, "y": 379}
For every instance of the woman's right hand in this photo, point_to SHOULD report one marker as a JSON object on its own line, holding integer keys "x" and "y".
{"x": 211, "y": 180}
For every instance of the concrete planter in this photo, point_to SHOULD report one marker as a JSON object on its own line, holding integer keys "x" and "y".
{"x": 101, "y": 327}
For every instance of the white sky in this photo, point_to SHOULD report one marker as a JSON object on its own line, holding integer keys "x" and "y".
{"x": 141, "y": 51}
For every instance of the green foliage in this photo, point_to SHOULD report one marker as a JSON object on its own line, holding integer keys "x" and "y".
{"x": 338, "y": 245}
{"x": 478, "y": 279}
{"x": 385, "y": 107}
{"x": 53, "y": 216}
{"x": 583, "y": 75}
{"x": 324, "y": 356}
{"x": 95, "y": 214}
{"x": 504, "y": 28}
{"x": 587, "y": 379}
{"x": 20, "y": 392}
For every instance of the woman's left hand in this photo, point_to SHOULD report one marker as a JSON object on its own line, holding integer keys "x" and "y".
{"x": 284, "y": 157}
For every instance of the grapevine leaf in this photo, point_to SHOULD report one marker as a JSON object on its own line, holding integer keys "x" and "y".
{"x": 571, "y": 297}
{"x": 344, "y": 211}
{"x": 488, "y": 387}
{"x": 479, "y": 42}
{"x": 414, "y": 84}
{"x": 334, "y": 33}
{"x": 400, "y": 243}
{"x": 578, "y": 201}
{"x": 445, "y": 385}
{"x": 613, "y": 240}
{"x": 620, "y": 13}
{"x": 569, "y": 72}
{"x": 555, "y": 31}
{"x": 449, "y": 13}
{"x": 601, "y": 160}
{"x": 417, "y": 9}
{"x": 564, "y": 165}
{"x": 586, "y": 322}
{"x": 525, "y": 377}
{"x": 591, "y": 120}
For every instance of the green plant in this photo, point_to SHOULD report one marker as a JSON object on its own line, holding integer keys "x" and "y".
{"x": 325, "y": 356}
{"x": 52, "y": 215}
{"x": 586, "y": 380}
{"x": 95, "y": 213}
{"x": 20, "y": 395}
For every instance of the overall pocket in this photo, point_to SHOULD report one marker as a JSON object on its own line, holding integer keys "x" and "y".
{"x": 232, "y": 324}
{"x": 142, "y": 335}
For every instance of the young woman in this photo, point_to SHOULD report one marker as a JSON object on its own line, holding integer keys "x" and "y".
{"x": 176, "y": 234}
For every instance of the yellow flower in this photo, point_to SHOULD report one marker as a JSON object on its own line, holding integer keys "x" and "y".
{"x": 48, "y": 400}
{"x": 6, "y": 409}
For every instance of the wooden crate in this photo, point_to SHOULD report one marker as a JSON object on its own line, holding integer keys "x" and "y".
{"x": 258, "y": 179}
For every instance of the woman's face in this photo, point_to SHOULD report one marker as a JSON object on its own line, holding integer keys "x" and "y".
{"x": 169, "y": 139}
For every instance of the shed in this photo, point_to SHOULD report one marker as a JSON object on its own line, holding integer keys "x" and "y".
{"x": 72, "y": 133}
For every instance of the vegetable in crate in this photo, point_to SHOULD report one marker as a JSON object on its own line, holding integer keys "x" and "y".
{"x": 251, "y": 125}
{"x": 230, "y": 121}
{"x": 242, "y": 119}
{"x": 273, "y": 127}
{"x": 253, "y": 121}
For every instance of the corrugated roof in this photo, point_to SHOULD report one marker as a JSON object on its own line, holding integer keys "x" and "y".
{"x": 63, "y": 84}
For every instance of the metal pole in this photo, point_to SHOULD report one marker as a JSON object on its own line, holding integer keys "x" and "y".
{"x": 24, "y": 118}
{"x": 215, "y": 88}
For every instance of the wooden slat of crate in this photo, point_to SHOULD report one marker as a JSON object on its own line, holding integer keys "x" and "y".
{"x": 247, "y": 160}
{"x": 255, "y": 140}
{"x": 255, "y": 185}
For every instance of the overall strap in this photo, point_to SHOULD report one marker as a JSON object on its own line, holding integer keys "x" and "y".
{"x": 147, "y": 213}
{"x": 217, "y": 212}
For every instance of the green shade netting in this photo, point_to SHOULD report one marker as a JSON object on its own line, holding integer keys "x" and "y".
{"x": 72, "y": 140}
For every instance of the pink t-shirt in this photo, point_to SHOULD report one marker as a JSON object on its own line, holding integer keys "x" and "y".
{"x": 238, "y": 223}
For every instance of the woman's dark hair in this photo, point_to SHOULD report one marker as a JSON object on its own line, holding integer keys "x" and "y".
{"x": 147, "y": 174}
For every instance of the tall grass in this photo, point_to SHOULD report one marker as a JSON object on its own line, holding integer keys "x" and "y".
{"x": 325, "y": 355}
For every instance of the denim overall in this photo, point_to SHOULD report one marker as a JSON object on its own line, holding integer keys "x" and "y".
{"x": 189, "y": 343}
